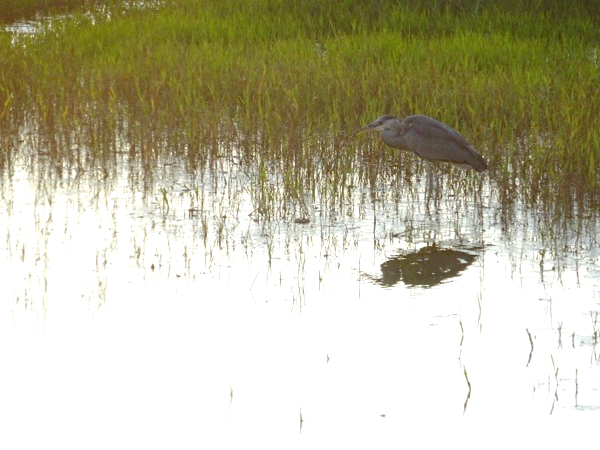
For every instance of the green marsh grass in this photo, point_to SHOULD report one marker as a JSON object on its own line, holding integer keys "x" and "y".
{"x": 276, "y": 86}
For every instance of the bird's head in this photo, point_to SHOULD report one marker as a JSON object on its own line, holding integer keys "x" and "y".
{"x": 380, "y": 124}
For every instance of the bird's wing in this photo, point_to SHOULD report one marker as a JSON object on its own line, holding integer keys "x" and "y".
{"x": 436, "y": 141}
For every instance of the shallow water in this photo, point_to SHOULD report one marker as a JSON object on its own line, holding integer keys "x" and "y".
{"x": 163, "y": 310}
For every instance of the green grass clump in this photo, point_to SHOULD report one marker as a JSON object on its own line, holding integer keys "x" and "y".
{"x": 285, "y": 81}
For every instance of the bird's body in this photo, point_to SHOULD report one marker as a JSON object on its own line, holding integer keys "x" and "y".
{"x": 428, "y": 138}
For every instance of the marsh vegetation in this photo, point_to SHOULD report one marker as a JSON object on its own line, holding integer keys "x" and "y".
{"x": 184, "y": 164}
{"x": 282, "y": 84}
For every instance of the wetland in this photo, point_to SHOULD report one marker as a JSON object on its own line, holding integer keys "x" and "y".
{"x": 193, "y": 253}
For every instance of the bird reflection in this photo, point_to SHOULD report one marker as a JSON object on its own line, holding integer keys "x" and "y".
{"x": 426, "y": 267}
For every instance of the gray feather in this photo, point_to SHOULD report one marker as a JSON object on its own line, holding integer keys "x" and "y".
{"x": 429, "y": 139}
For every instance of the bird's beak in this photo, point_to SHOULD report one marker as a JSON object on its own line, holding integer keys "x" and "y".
{"x": 366, "y": 128}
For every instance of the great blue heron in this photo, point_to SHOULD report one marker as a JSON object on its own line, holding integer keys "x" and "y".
{"x": 429, "y": 139}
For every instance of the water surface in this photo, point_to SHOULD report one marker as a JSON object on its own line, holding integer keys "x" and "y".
{"x": 157, "y": 306}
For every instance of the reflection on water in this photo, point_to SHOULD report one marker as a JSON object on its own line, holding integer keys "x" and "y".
{"x": 426, "y": 267}
{"x": 164, "y": 289}
{"x": 226, "y": 322}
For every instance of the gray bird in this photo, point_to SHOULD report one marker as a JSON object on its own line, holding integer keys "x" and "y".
{"x": 427, "y": 138}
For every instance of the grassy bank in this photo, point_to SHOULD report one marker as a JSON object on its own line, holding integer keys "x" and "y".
{"x": 285, "y": 81}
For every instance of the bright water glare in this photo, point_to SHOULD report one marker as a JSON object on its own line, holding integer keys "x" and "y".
{"x": 166, "y": 313}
